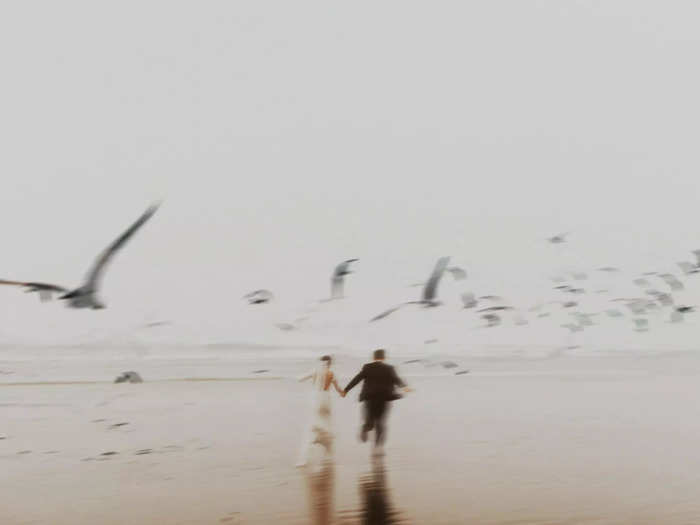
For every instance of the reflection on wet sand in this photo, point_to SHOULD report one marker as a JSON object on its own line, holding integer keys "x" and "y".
{"x": 376, "y": 503}
{"x": 320, "y": 490}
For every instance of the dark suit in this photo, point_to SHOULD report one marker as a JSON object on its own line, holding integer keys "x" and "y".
{"x": 379, "y": 381}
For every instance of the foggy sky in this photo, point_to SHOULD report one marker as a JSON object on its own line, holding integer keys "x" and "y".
{"x": 285, "y": 137}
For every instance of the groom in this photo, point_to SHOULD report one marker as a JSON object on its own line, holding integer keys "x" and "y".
{"x": 377, "y": 391}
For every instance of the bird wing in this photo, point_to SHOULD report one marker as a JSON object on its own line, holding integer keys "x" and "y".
{"x": 343, "y": 267}
{"x": 46, "y": 287}
{"x": 430, "y": 290}
{"x": 386, "y": 313}
{"x": 13, "y": 283}
{"x": 98, "y": 267}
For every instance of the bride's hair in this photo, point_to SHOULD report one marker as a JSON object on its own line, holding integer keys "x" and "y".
{"x": 327, "y": 359}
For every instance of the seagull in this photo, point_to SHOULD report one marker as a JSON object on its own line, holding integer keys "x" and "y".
{"x": 429, "y": 295}
{"x": 495, "y": 309}
{"x": 559, "y": 238}
{"x": 608, "y": 269}
{"x": 685, "y": 309}
{"x": 259, "y": 297}
{"x": 85, "y": 296}
{"x": 338, "y": 278}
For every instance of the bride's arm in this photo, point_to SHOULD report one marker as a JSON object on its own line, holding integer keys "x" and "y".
{"x": 306, "y": 377}
{"x": 340, "y": 390}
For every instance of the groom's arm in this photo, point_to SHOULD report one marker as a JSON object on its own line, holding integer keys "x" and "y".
{"x": 359, "y": 377}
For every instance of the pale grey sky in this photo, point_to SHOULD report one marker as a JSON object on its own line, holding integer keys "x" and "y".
{"x": 287, "y": 136}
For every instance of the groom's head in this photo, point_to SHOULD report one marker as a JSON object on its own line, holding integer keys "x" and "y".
{"x": 379, "y": 355}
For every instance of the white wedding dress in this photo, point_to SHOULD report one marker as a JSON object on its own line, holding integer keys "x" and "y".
{"x": 318, "y": 429}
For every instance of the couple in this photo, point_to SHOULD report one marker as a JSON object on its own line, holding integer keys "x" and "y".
{"x": 379, "y": 381}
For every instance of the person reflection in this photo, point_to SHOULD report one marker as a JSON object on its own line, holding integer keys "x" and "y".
{"x": 374, "y": 492}
{"x": 320, "y": 489}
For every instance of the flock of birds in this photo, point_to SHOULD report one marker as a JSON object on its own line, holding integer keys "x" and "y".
{"x": 656, "y": 291}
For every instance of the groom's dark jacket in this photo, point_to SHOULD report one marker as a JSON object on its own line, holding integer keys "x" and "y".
{"x": 379, "y": 380}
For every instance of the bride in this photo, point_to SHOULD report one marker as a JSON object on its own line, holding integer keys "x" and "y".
{"x": 319, "y": 428}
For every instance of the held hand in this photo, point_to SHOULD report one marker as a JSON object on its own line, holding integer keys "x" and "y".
{"x": 407, "y": 389}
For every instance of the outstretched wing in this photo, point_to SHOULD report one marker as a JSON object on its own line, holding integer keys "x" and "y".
{"x": 98, "y": 267}
{"x": 430, "y": 290}
{"x": 386, "y": 313}
{"x": 45, "y": 289}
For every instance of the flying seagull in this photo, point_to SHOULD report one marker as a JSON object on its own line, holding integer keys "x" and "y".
{"x": 85, "y": 296}
{"x": 259, "y": 297}
{"x": 559, "y": 238}
{"x": 338, "y": 278}
{"x": 429, "y": 295}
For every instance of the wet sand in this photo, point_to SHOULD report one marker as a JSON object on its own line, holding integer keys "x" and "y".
{"x": 568, "y": 440}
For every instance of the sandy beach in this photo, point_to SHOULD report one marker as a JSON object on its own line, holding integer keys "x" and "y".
{"x": 572, "y": 439}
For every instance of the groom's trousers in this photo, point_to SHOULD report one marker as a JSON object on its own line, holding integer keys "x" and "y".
{"x": 376, "y": 411}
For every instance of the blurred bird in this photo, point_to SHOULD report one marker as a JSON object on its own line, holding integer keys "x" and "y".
{"x": 429, "y": 295}
{"x": 338, "y": 278}
{"x": 85, "y": 296}
{"x": 259, "y": 297}
{"x": 685, "y": 309}
{"x": 559, "y": 238}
